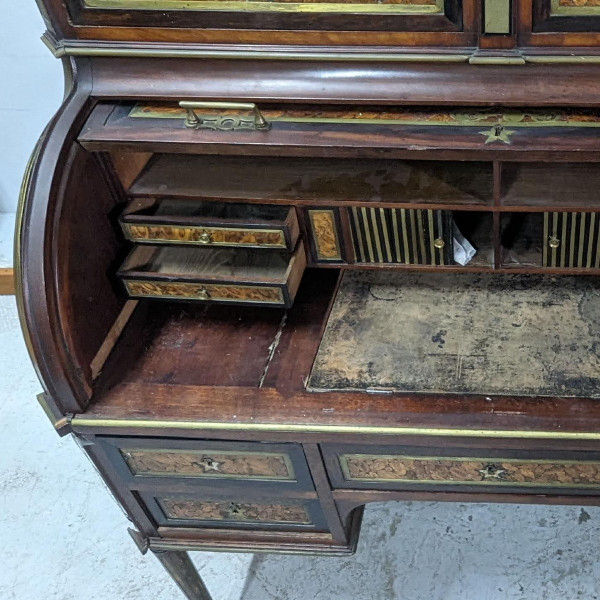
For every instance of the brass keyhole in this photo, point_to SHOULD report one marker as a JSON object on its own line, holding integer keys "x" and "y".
{"x": 553, "y": 242}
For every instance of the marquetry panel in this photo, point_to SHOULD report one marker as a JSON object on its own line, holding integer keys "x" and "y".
{"x": 245, "y": 512}
{"x": 471, "y": 471}
{"x": 325, "y": 238}
{"x": 221, "y": 464}
{"x": 205, "y": 291}
{"x": 205, "y": 236}
{"x": 409, "y": 236}
{"x": 571, "y": 240}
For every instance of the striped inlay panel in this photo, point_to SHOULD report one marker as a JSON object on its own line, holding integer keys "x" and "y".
{"x": 408, "y": 236}
{"x": 571, "y": 240}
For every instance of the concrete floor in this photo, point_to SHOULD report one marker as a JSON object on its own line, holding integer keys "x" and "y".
{"x": 64, "y": 538}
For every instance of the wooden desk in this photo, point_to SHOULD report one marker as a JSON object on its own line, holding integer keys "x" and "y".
{"x": 250, "y": 309}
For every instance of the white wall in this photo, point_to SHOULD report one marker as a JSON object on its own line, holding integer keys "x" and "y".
{"x": 31, "y": 89}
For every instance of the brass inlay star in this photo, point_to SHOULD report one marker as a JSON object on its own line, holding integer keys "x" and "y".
{"x": 492, "y": 471}
{"x": 497, "y": 133}
{"x": 208, "y": 464}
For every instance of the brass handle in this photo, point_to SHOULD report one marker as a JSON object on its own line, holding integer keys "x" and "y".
{"x": 205, "y": 238}
{"x": 193, "y": 121}
{"x": 203, "y": 293}
{"x": 439, "y": 243}
{"x": 553, "y": 242}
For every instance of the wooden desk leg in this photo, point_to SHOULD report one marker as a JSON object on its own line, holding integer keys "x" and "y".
{"x": 179, "y": 566}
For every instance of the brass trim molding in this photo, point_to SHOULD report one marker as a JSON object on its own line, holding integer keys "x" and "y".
{"x": 84, "y": 422}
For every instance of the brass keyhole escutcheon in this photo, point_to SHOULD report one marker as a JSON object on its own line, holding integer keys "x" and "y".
{"x": 553, "y": 242}
{"x": 203, "y": 293}
{"x": 439, "y": 243}
{"x": 205, "y": 238}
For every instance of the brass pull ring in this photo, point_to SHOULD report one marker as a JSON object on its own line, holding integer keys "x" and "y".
{"x": 553, "y": 242}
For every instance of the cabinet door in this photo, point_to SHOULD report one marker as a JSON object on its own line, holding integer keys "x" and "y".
{"x": 294, "y": 17}
{"x": 560, "y": 22}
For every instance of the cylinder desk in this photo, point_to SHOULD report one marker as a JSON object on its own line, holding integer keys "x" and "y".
{"x": 280, "y": 259}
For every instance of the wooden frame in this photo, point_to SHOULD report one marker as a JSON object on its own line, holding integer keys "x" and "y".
{"x": 443, "y": 15}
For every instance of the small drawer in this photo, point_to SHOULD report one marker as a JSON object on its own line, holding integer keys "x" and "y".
{"x": 202, "y": 223}
{"x": 209, "y": 462}
{"x": 554, "y": 240}
{"x": 418, "y": 468}
{"x": 185, "y": 510}
{"x": 223, "y": 275}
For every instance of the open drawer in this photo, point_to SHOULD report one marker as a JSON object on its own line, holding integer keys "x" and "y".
{"x": 336, "y": 130}
{"x": 230, "y": 275}
{"x": 203, "y": 223}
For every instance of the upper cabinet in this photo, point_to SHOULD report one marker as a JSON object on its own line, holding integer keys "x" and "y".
{"x": 339, "y": 22}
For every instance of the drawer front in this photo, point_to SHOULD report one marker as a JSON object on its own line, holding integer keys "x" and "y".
{"x": 206, "y": 462}
{"x": 272, "y": 513}
{"x": 407, "y": 236}
{"x": 206, "y": 292}
{"x": 205, "y": 236}
{"x": 211, "y": 223}
{"x": 412, "y": 467}
{"x": 571, "y": 240}
{"x": 326, "y": 238}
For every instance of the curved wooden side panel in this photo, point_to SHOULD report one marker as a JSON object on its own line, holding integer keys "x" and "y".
{"x": 40, "y": 252}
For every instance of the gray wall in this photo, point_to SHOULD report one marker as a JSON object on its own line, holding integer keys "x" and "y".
{"x": 30, "y": 93}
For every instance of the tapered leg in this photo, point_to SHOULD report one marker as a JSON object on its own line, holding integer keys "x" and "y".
{"x": 179, "y": 566}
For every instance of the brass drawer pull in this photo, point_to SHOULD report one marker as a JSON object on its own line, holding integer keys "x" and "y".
{"x": 205, "y": 238}
{"x": 224, "y": 122}
{"x": 439, "y": 243}
{"x": 553, "y": 242}
{"x": 203, "y": 293}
